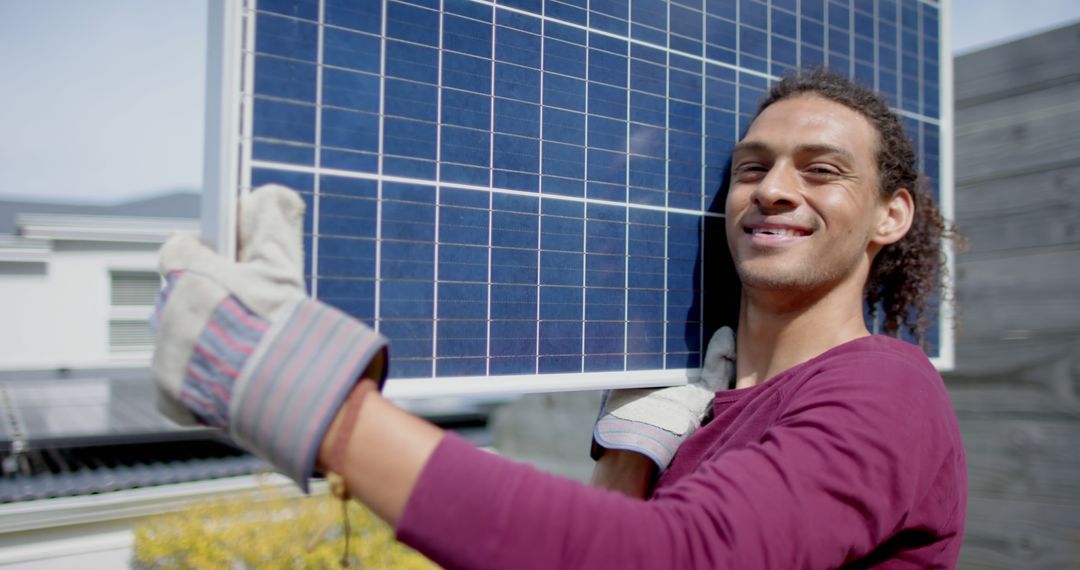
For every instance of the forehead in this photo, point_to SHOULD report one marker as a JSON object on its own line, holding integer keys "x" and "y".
{"x": 812, "y": 120}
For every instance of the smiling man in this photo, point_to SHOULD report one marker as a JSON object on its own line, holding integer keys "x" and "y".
{"x": 835, "y": 447}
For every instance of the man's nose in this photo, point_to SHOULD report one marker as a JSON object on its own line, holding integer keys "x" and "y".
{"x": 779, "y": 189}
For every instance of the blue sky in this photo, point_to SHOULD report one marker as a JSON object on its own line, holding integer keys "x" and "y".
{"x": 103, "y": 100}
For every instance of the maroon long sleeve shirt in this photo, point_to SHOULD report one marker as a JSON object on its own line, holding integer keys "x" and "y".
{"x": 852, "y": 459}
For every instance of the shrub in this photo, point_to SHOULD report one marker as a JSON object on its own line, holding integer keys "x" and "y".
{"x": 267, "y": 529}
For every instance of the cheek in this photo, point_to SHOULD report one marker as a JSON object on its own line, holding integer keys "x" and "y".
{"x": 839, "y": 209}
{"x": 735, "y": 200}
{"x": 732, "y": 205}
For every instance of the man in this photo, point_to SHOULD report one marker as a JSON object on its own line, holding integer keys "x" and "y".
{"x": 836, "y": 448}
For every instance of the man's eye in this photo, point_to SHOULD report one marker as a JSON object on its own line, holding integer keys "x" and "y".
{"x": 823, "y": 171}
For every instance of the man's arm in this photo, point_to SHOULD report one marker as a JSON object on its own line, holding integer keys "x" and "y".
{"x": 389, "y": 447}
{"x": 627, "y": 472}
{"x": 830, "y": 483}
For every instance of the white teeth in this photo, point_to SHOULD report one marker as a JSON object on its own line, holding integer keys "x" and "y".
{"x": 774, "y": 231}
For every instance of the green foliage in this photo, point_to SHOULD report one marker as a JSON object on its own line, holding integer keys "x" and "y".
{"x": 267, "y": 529}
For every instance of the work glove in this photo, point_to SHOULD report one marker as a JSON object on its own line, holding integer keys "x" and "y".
{"x": 655, "y": 421}
{"x": 240, "y": 347}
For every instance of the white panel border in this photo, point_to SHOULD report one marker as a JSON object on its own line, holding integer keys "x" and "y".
{"x": 224, "y": 111}
{"x": 946, "y": 358}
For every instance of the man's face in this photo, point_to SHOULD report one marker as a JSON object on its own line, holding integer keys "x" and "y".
{"x": 803, "y": 198}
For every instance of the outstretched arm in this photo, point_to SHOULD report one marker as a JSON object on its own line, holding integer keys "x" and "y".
{"x": 386, "y": 451}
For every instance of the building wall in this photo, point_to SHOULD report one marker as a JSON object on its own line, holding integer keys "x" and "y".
{"x": 1016, "y": 386}
{"x": 56, "y": 314}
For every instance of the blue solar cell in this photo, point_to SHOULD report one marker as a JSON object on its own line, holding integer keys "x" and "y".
{"x": 650, "y": 12}
{"x": 286, "y": 37}
{"x": 813, "y": 9}
{"x": 754, "y": 13}
{"x": 467, "y": 36}
{"x": 517, "y": 82}
{"x": 276, "y": 77}
{"x": 515, "y": 338}
{"x": 462, "y": 338}
{"x": 864, "y": 24}
{"x": 515, "y": 46}
{"x": 513, "y": 302}
{"x": 564, "y": 12}
{"x": 517, "y": 20}
{"x": 284, "y": 121}
{"x": 560, "y": 337}
{"x": 563, "y": 160}
{"x": 355, "y": 91}
{"x": 517, "y": 118}
{"x": 463, "y": 263}
{"x": 561, "y": 268}
{"x": 559, "y": 171}
{"x": 411, "y": 23}
{"x": 839, "y": 14}
{"x": 364, "y": 16}
{"x": 352, "y": 50}
{"x": 720, "y": 33}
{"x": 348, "y": 216}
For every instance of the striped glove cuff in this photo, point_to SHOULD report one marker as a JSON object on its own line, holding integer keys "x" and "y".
{"x": 275, "y": 385}
{"x": 297, "y": 379}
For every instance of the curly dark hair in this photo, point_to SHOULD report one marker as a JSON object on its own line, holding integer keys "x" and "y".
{"x": 904, "y": 274}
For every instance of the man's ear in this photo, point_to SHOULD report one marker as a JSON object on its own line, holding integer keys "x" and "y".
{"x": 896, "y": 217}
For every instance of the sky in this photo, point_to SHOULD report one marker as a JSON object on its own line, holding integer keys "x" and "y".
{"x": 103, "y": 100}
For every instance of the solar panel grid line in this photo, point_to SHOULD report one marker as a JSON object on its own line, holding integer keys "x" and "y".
{"x": 702, "y": 245}
{"x": 327, "y": 171}
{"x": 588, "y": 156}
{"x": 919, "y": 51}
{"x": 769, "y": 43}
{"x": 626, "y": 243}
{"x": 877, "y": 47}
{"x": 377, "y": 308}
{"x": 316, "y": 210}
{"x": 438, "y": 177}
{"x": 491, "y": 160}
{"x": 825, "y": 30}
{"x": 667, "y": 174}
{"x": 247, "y": 112}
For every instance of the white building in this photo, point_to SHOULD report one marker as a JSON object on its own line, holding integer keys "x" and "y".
{"x": 77, "y": 283}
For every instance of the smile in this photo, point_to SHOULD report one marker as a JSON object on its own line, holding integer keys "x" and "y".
{"x": 773, "y": 235}
{"x": 782, "y": 232}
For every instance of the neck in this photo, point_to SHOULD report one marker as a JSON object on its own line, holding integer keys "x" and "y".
{"x": 777, "y": 331}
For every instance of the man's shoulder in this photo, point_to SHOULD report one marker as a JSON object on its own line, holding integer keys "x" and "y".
{"x": 877, "y": 361}
{"x": 884, "y": 378}
{"x": 879, "y": 349}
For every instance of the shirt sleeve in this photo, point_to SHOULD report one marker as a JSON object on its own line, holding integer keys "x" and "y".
{"x": 836, "y": 476}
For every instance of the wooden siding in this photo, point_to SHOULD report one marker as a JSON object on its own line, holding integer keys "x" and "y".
{"x": 1016, "y": 386}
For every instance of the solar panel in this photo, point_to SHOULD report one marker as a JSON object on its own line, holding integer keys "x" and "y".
{"x": 48, "y": 413}
{"x": 522, "y": 195}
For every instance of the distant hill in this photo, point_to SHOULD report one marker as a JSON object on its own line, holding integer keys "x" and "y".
{"x": 178, "y": 204}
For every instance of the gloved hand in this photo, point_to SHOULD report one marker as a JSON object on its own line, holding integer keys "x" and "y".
{"x": 655, "y": 421}
{"x": 240, "y": 347}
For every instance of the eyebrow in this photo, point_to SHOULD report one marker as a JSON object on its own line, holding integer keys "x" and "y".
{"x": 812, "y": 148}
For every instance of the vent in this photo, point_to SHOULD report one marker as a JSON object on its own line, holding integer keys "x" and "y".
{"x": 134, "y": 288}
{"x": 130, "y": 335}
{"x": 132, "y": 297}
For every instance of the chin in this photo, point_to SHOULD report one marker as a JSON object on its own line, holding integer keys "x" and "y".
{"x": 772, "y": 282}
{"x": 780, "y": 276}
